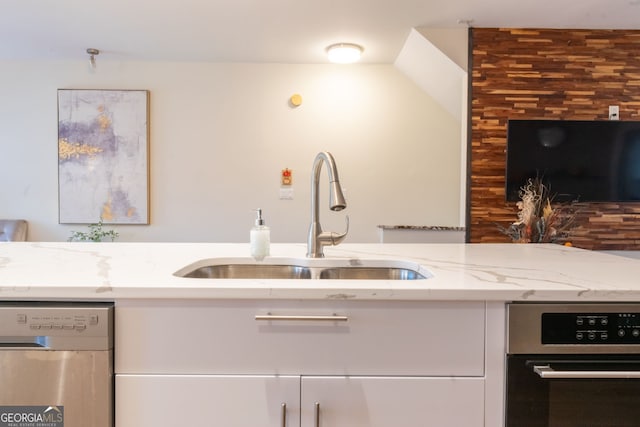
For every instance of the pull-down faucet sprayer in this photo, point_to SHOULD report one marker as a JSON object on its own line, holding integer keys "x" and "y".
{"x": 317, "y": 238}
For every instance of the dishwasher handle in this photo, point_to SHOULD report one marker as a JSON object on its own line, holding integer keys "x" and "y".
{"x": 547, "y": 372}
{"x": 23, "y": 343}
{"x": 49, "y": 342}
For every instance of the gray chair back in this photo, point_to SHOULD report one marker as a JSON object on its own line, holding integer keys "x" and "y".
{"x": 13, "y": 230}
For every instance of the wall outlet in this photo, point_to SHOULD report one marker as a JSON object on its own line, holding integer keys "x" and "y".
{"x": 614, "y": 112}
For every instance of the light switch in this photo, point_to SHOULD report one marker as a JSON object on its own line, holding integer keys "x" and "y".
{"x": 286, "y": 193}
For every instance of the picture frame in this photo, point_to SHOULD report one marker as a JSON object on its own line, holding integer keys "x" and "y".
{"x": 103, "y": 156}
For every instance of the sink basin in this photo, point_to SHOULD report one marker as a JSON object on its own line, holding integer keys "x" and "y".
{"x": 370, "y": 273}
{"x": 250, "y": 271}
{"x": 303, "y": 268}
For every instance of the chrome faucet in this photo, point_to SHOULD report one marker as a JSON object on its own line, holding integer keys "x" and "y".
{"x": 317, "y": 238}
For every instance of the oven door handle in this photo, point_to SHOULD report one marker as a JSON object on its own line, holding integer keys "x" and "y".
{"x": 546, "y": 371}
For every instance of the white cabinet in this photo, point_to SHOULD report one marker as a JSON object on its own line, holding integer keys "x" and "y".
{"x": 207, "y": 400}
{"x": 213, "y": 363}
{"x": 392, "y": 402}
{"x": 269, "y": 401}
{"x": 224, "y": 337}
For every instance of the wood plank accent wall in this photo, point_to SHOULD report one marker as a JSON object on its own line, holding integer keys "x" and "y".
{"x": 548, "y": 74}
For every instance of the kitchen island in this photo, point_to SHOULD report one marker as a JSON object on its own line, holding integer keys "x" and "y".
{"x": 289, "y": 352}
{"x": 461, "y": 272}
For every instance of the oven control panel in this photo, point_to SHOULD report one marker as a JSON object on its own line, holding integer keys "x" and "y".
{"x": 591, "y": 328}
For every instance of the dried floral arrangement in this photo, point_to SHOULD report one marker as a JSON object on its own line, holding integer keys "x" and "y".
{"x": 538, "y": 221}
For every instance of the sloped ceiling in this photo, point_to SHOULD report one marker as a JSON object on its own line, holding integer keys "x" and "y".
{"x": 434, "y": 72}
{"x": 288, "y": 31}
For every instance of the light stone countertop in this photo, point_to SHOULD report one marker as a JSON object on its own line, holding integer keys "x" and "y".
{"x": 497, "y": 272}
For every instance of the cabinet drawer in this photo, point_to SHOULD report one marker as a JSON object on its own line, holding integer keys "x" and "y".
{"x": 224, "y": 337}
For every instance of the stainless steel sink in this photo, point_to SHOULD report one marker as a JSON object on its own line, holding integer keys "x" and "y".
{"x": 370, "y": 273}
{"x": 305, "y": 268}
{"x": 250, "y": 271}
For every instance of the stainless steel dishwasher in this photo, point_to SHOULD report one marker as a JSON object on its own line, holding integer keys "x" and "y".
{"x": 56, "y": 364}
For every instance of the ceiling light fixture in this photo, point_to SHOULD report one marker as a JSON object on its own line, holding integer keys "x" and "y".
{"x": 344, "y": 53}
{"x": 92, "y": 57}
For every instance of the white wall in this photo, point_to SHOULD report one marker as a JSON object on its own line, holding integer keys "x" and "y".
{"x": 453, "y": 42}
{"x": 221, "y": 133}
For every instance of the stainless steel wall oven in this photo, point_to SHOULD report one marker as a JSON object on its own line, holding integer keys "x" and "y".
{"x": 573, "y": 365}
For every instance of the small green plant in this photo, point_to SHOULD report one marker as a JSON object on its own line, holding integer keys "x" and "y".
{"x": 95, "y": 234}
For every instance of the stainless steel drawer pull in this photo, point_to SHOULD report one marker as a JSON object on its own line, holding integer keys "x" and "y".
{"x": 332, "y": 318}
{"x": 283, "y": 415}
{"x": 546, "y": 371}
{"x": 316, "y": 413}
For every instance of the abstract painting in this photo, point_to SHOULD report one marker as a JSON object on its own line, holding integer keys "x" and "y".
{"x": 103, "y": 147}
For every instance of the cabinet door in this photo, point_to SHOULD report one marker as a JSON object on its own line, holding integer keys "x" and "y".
{"x": 207, "y": 401}
{"x": 392, "y": 401}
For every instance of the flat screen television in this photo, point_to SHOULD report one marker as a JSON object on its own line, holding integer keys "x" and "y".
{"x": 584, "y": 161}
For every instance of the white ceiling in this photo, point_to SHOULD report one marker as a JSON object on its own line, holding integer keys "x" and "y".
{"x": 288, "y": 31}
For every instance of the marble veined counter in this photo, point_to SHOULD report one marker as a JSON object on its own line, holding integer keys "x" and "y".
{"x": 498, "y": 272}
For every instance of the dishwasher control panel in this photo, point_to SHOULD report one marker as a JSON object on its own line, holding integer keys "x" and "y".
{"x": 46, "y": 325}
{"x": 58, "y": 320}
{"x": 591, "y": 328}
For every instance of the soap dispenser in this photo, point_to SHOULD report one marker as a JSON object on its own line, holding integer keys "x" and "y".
{"x": 260, "y": 238}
